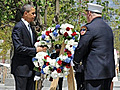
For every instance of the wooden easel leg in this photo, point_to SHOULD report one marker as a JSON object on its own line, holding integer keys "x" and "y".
{"x": 36, "y": 82}
{"x": 54, "y": 84}
{"x": 70, "y": 79}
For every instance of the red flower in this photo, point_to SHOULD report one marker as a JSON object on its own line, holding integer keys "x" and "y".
{"x": 73, "y": 34}
{"x": 69, "y": 55}
{"x": 47, "y": 33}
{"x": 50, "y": 31}
{"x": 67, "y": 28}
{"x": 68, "y": 52}
{"x": 68, "y": 65}
{"x": 47, "y": 63}
{"x": 45, "y": 57}
{"x": 39, "y": 69}
{"x": 65, "y": 50}
{"x": 59, "y": 70}
{"x": 59, "y": 62}
{"x": 65, "y": 34}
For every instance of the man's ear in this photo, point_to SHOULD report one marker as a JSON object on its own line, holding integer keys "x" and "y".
{"x": 89, "y": 13}
{"x": 25, "y": 13}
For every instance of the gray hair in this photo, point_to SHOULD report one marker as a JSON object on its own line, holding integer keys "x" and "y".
{"x": 26, "y": 7}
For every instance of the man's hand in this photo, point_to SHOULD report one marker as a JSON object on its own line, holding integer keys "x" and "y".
{"x": 44, "y": 49}
{"x": 41, "y": 49}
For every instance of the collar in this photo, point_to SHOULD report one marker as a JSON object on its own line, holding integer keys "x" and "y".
{"x": 95, "y": 18}
{"x": 25, "y": 22}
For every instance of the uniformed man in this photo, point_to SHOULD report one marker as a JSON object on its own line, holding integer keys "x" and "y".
{"x": 96, "y": 48}
{"x": 79, "y": 76}
{"x": 54, "y": 56}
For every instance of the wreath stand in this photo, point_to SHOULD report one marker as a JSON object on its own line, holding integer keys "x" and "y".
{"x": 70, "y": 77}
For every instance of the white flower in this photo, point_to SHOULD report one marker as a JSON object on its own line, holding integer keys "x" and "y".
{"x": 62, "y": 31}
{"x": 54, "y": 74}
{"x": 70, "y": 42}
{"x": 41, "y": 55}
{"x": 41, "y": 62}
{"x": 69, "y": 33}
{"x": 66, "y": 25}
{"x": 57, "y": 65}
{"x": 46, "y": 70}
{"x": 52, "y": 62}
{"x": 66, "y": 73}
{"x": 66, "y": 69}
{"x": 36, "y": 44}
{"x": 60, "y": 74}
{"x": 53, "y": 37}
{"x": 69, "y": 25}
{"x": 69, "y": 48}
{"x": 47, "y": 38}
{"x": 43, "y": 32}
{"x": 52, "y": 28}
{"x": 63, "y": 57}
{"x": 39, "y": 38}
{"x": 36, "y": 63}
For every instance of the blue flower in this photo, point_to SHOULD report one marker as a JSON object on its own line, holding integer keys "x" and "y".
{"x": 42, "y": 71}
{"x": 43, "y": 66}
{"x": 74, "y": 47}
{"x": 67, "y": 60}
{"x": 55, "y": 33}
{"x": 34, "y": 59}
{"x": 47, "y": 41}
{"x": 72, "y": 56}
{"x": 73, "y": 38}
{"x": 43, "y": 36}
{"x": 55, "y": 68}
{"x": 57, "y": 26}
{"x": 61, "y": 67}
{"x": 57, "y": 59}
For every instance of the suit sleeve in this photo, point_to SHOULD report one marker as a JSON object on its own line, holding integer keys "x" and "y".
{"x": 18, "y": 43}
{"x": 83, "y": 47}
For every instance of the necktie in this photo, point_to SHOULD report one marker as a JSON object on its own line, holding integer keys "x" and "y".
{"x": 29, "y": 29}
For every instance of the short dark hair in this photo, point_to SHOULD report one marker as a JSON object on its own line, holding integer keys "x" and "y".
{"x": 26, "y": 7}
{"x": 57, "y": 46}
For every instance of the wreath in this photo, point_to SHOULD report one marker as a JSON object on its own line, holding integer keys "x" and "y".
{"x": 60, "y": 66}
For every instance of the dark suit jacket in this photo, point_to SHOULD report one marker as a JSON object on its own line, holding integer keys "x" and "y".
{"x": 96, "y": 48}
{"x": 22, "y": 64}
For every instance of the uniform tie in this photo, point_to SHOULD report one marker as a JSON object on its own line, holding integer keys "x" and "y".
{"x": 30, "y": 30}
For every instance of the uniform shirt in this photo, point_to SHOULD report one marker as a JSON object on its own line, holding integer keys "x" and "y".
{"x": 96, "y": 49}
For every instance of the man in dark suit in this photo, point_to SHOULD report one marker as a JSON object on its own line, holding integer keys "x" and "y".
{"x": 24, "y": 37}
{"x": 96, "y": 48}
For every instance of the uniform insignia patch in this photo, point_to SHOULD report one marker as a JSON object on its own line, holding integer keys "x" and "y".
{"x": 83, "y": 30}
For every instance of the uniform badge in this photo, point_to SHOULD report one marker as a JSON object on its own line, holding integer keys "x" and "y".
{"x": 83, "y": 30}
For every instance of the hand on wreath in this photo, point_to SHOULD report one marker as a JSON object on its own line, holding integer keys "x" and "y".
{"x": 44, "y": 49}
{"x": 41, "y": 49}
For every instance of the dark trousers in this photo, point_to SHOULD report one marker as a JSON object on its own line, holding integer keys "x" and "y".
{"x": 24, "y": 83}
{"x": 60, "y": 83}
{"x": 102, "y": 84}
{"x": 79, "y": 76}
